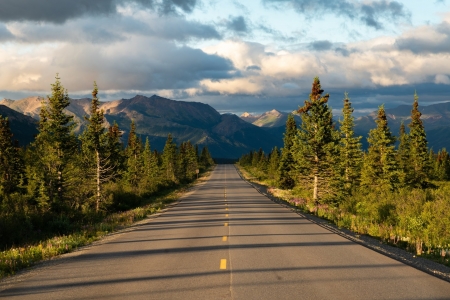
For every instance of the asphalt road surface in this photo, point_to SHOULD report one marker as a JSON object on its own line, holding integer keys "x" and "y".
{"x": 226, "y": 241}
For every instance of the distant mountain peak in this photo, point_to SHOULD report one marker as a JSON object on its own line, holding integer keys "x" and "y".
{"x": 246, "y": 115}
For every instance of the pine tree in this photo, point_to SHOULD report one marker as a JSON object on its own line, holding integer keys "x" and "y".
{"x": 11, "y": 163}
{"x": 205, "y": 158}
{"x": 418, "y": 157}
{"x": 286, "y": 166}
{"x": 94, "y": 146}
{"x": 114, "y": 151}
{"x": 191, "y": 161}
{"x": 134, "y": 157}
{"x": 380, "y": 167}
{"x": 274, "y": 162}
{"x": 150, "y": 164}
{"x": 442, "y": 165}
{"x": 316, "y": 143}
{"x": 403, "y": 154}
{"x": 350, "y": 149}
{"x": 55, "y": 142}
{"x": 169, "y": 159}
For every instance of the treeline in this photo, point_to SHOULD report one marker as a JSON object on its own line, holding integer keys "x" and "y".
{"x": 62, "y": 181}
{"x": 395, "y": 190}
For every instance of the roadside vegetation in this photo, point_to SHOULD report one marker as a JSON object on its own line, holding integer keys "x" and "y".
{"x": 397, "y": 191}
{"x": 65, "y": 191}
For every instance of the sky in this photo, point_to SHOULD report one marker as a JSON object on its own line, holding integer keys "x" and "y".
{"x": 253, "y": 55}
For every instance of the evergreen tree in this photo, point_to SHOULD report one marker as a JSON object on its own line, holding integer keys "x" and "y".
{"x": 380, "y": 166}
{"x": 316, "y": 143}
{"x": 274, "y": 162}
{"x": 403, "y": 154}
{"x": 205, "y": 158}
{"x": 286, "y": 166}
{"x": 11, "y": 163}
{"x": 114, "y": 151}
{"x": 94, "y": 146}
{"x": 134, "y": 157}
{"x": 350, "y": 149}
{"x": 169, "y": 159}
{"x": 55, "y": 142}
{"x": 192, "y": 163}
{"x": 442, "y": 165}
{"x": 418, "y": 157}
{"x": 150, "y": 164}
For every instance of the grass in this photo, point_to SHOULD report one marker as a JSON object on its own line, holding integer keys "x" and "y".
{"x": 18, "y": 258}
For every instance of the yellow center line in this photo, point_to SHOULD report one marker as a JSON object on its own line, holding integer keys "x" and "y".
{"x": 224, "y": 238}
{"x": 223, "y": 264}
{"x": 226, "y": 215}
{"x": 226, "y": 208}
{"x": 226, "y": 224}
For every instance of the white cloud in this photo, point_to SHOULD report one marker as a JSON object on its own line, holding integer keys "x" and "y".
{"x": 441, "y": 78}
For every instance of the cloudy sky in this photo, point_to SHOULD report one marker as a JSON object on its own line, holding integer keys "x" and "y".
{"x": 237, "y": 56}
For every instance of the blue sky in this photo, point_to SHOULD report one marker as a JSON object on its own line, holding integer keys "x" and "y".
{"x": 236, "y": 56}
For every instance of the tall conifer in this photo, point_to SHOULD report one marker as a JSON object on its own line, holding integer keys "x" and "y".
{"x": 286, "y": 167}
{"x": 316, "y": 142}
{"x": 55, "y": 142}
{"x": 418, "y": 157}
{"x": 94, "y": 148}
{"x": 11, "y": 164}
{"x": 350, "y": 149}
{"x": 169, "y": 159}
{"x": 380, "y": 167}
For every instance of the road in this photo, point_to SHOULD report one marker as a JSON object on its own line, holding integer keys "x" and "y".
{"x": 227, "y": 241}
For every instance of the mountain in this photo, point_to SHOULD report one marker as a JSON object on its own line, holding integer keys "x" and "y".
{"x": 248, "y": 117}
{"x": 227, "y": 136}
{"x": 273, "y": 118}
{"x": 24, "y": 128}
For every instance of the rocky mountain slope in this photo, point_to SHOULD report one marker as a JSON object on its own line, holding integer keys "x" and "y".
{"x": 24, "y": 128}
{"x": 226, "y": 136}
{"x": 273, "y": 118}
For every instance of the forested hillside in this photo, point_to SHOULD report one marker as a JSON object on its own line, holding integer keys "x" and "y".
{"x": 396, "y": 190}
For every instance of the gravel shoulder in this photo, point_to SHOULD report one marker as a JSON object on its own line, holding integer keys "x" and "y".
{"x": 422, "y": 264}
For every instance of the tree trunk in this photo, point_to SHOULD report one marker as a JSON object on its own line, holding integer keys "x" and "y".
{"x": 316, "y": 179}
{"x": 98, "y": 181}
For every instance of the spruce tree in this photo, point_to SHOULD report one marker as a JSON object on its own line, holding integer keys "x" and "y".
{"x": 94, "y": 148}
{"x": 380, "y": 167}
{"x": 150, "y": 164}
{"x": 350, "y": 149}
{"x": 169, "y": 159}
{"x": 55, "y": 142}
{"x": 274, "y": 162}
{"x": 316, "y": 143}
{"x": 134, "y": 157}
{"x": 114, "y": 151}
{"x": 205, "y": 158}
{"x": 442, "y": 165}
{"x": 403, "y": 154}
{"x": 418, "y": 157}
{"x": 286, "y": 167}
{"x": 11, "y": 163}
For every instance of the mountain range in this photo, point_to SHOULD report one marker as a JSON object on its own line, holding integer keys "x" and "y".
{"x": 226, "y": 135}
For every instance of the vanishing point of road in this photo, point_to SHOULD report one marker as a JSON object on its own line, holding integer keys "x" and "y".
{"x": 224, "y": 240}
